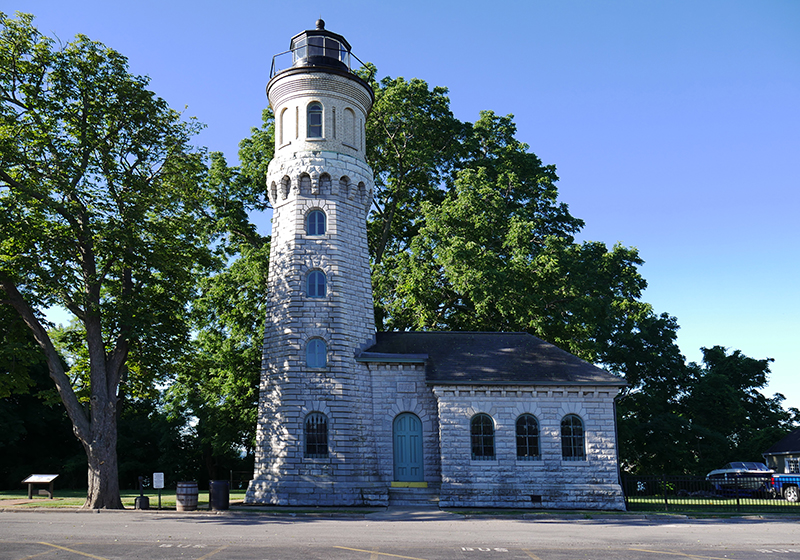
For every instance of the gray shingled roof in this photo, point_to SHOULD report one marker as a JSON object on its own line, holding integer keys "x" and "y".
{"x": 789, "y": 444}
{"x": 479, "y": 358}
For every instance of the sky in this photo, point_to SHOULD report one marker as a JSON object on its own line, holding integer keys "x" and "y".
{"x": 674, "y": 124}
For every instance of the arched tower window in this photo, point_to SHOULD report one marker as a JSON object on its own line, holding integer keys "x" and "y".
{"x": 315, "y": 223}
{"x": 314, "y": 119}
{"x": 316, "y": 353}
{"x": 317, "y": 284}
{"x": 572, "y": 441}
{"x": 482, "y": 432}
{"x": 527, "y": 438}
{"x": 316, "y": 435}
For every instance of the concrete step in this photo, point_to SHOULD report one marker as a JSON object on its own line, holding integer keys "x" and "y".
{"x": 424, "y": 497}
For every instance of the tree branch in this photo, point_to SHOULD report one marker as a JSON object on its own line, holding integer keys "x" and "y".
{"x": 75, "y": 411}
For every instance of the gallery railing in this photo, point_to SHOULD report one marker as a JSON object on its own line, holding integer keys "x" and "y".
{"x": 697, "y": 494}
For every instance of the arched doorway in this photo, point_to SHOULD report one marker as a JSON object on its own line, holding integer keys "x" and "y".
{"x": 407, "y": 432}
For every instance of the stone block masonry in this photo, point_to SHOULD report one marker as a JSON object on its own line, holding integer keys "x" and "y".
{"x": 548, "y": 481}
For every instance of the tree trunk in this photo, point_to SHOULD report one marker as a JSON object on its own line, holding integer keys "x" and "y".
{"x": 103, "y": 478}
{"x": 98, "y": 434}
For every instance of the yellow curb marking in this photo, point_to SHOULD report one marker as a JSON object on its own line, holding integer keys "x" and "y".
{"x": 74, "y": 551}
{"x": 531, "y": 554}
{"x": 377, "y": 553}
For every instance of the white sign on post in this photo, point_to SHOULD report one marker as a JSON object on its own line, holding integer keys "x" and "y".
{"x": 158, "y": 480}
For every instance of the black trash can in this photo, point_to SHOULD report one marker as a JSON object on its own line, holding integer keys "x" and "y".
{"x": 219, "y": 495}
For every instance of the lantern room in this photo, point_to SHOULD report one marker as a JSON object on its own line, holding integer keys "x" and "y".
{"x": 318, "y": 47}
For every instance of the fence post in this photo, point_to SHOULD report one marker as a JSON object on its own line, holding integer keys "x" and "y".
{"x": 666, "y": 502}
{"x": 738, "y": 507}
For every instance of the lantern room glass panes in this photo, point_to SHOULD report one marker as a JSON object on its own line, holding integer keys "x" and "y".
{"x": 315, "y": 46}
{"x": 304, "y": 47}
{"x": 299, "y": 49}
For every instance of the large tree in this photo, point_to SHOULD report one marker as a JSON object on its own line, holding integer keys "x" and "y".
{"x": 100, "y": 213}
{"x": 413, "y": 144}
{"x": 218, "y": 382}
{"x": 731, "y": 418}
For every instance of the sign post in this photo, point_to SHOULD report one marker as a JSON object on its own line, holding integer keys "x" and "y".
{"x": 158, "y": 483}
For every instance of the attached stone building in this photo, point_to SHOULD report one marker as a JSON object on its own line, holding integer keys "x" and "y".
{"x": 348, "y": 416}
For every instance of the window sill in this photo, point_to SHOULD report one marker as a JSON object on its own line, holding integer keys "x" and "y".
{"x": 317, "y": 460}
{"x": 531, "y": 462}
{"x": 481, "y": 462}
{"x": 581, "y": 463}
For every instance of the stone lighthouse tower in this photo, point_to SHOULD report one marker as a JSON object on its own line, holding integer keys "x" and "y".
{"x": 314, "y": 437}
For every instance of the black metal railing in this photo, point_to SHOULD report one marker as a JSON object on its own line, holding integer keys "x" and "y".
{"x": 697, "y": 494}
{"x": 285, "y": 60}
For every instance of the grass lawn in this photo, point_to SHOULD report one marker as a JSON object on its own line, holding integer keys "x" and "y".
{"x": 76, "y": 498}
{"x": 712, "y": 504}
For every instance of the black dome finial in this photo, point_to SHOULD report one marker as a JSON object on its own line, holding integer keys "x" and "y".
{"x": 320, "y": 23}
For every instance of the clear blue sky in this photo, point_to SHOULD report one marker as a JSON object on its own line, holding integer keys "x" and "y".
{"x": 674, "y": 124}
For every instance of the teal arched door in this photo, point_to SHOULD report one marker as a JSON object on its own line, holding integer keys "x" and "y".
{"x": 407, "y": 433}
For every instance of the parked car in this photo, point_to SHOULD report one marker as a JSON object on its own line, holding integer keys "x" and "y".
{"x": 745, "y": 475}
{"x": 786, "y": 486}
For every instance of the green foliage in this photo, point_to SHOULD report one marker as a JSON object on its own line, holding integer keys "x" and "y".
{"x": 18, "y": 354}
{"x": 413, "y": 143}
{"x": 150, "y": 440}
{"x": 691, "y": 419}
{"x": 473, "y": 237}
{"x": 218, "y": 383}
{"x": 495, "y": 252}
{"x": 36, "y": 432}
{"x": 102, "y": 212}
{"x": 734, "y": 421}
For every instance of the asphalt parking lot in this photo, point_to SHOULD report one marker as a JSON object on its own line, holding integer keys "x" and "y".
{"x": 386, "y": 534}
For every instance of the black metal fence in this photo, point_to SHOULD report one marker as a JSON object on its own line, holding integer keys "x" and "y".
{"x": 696, "y": 494}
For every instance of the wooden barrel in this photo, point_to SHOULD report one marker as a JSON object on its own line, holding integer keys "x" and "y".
{"x": 186, "y": 496}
